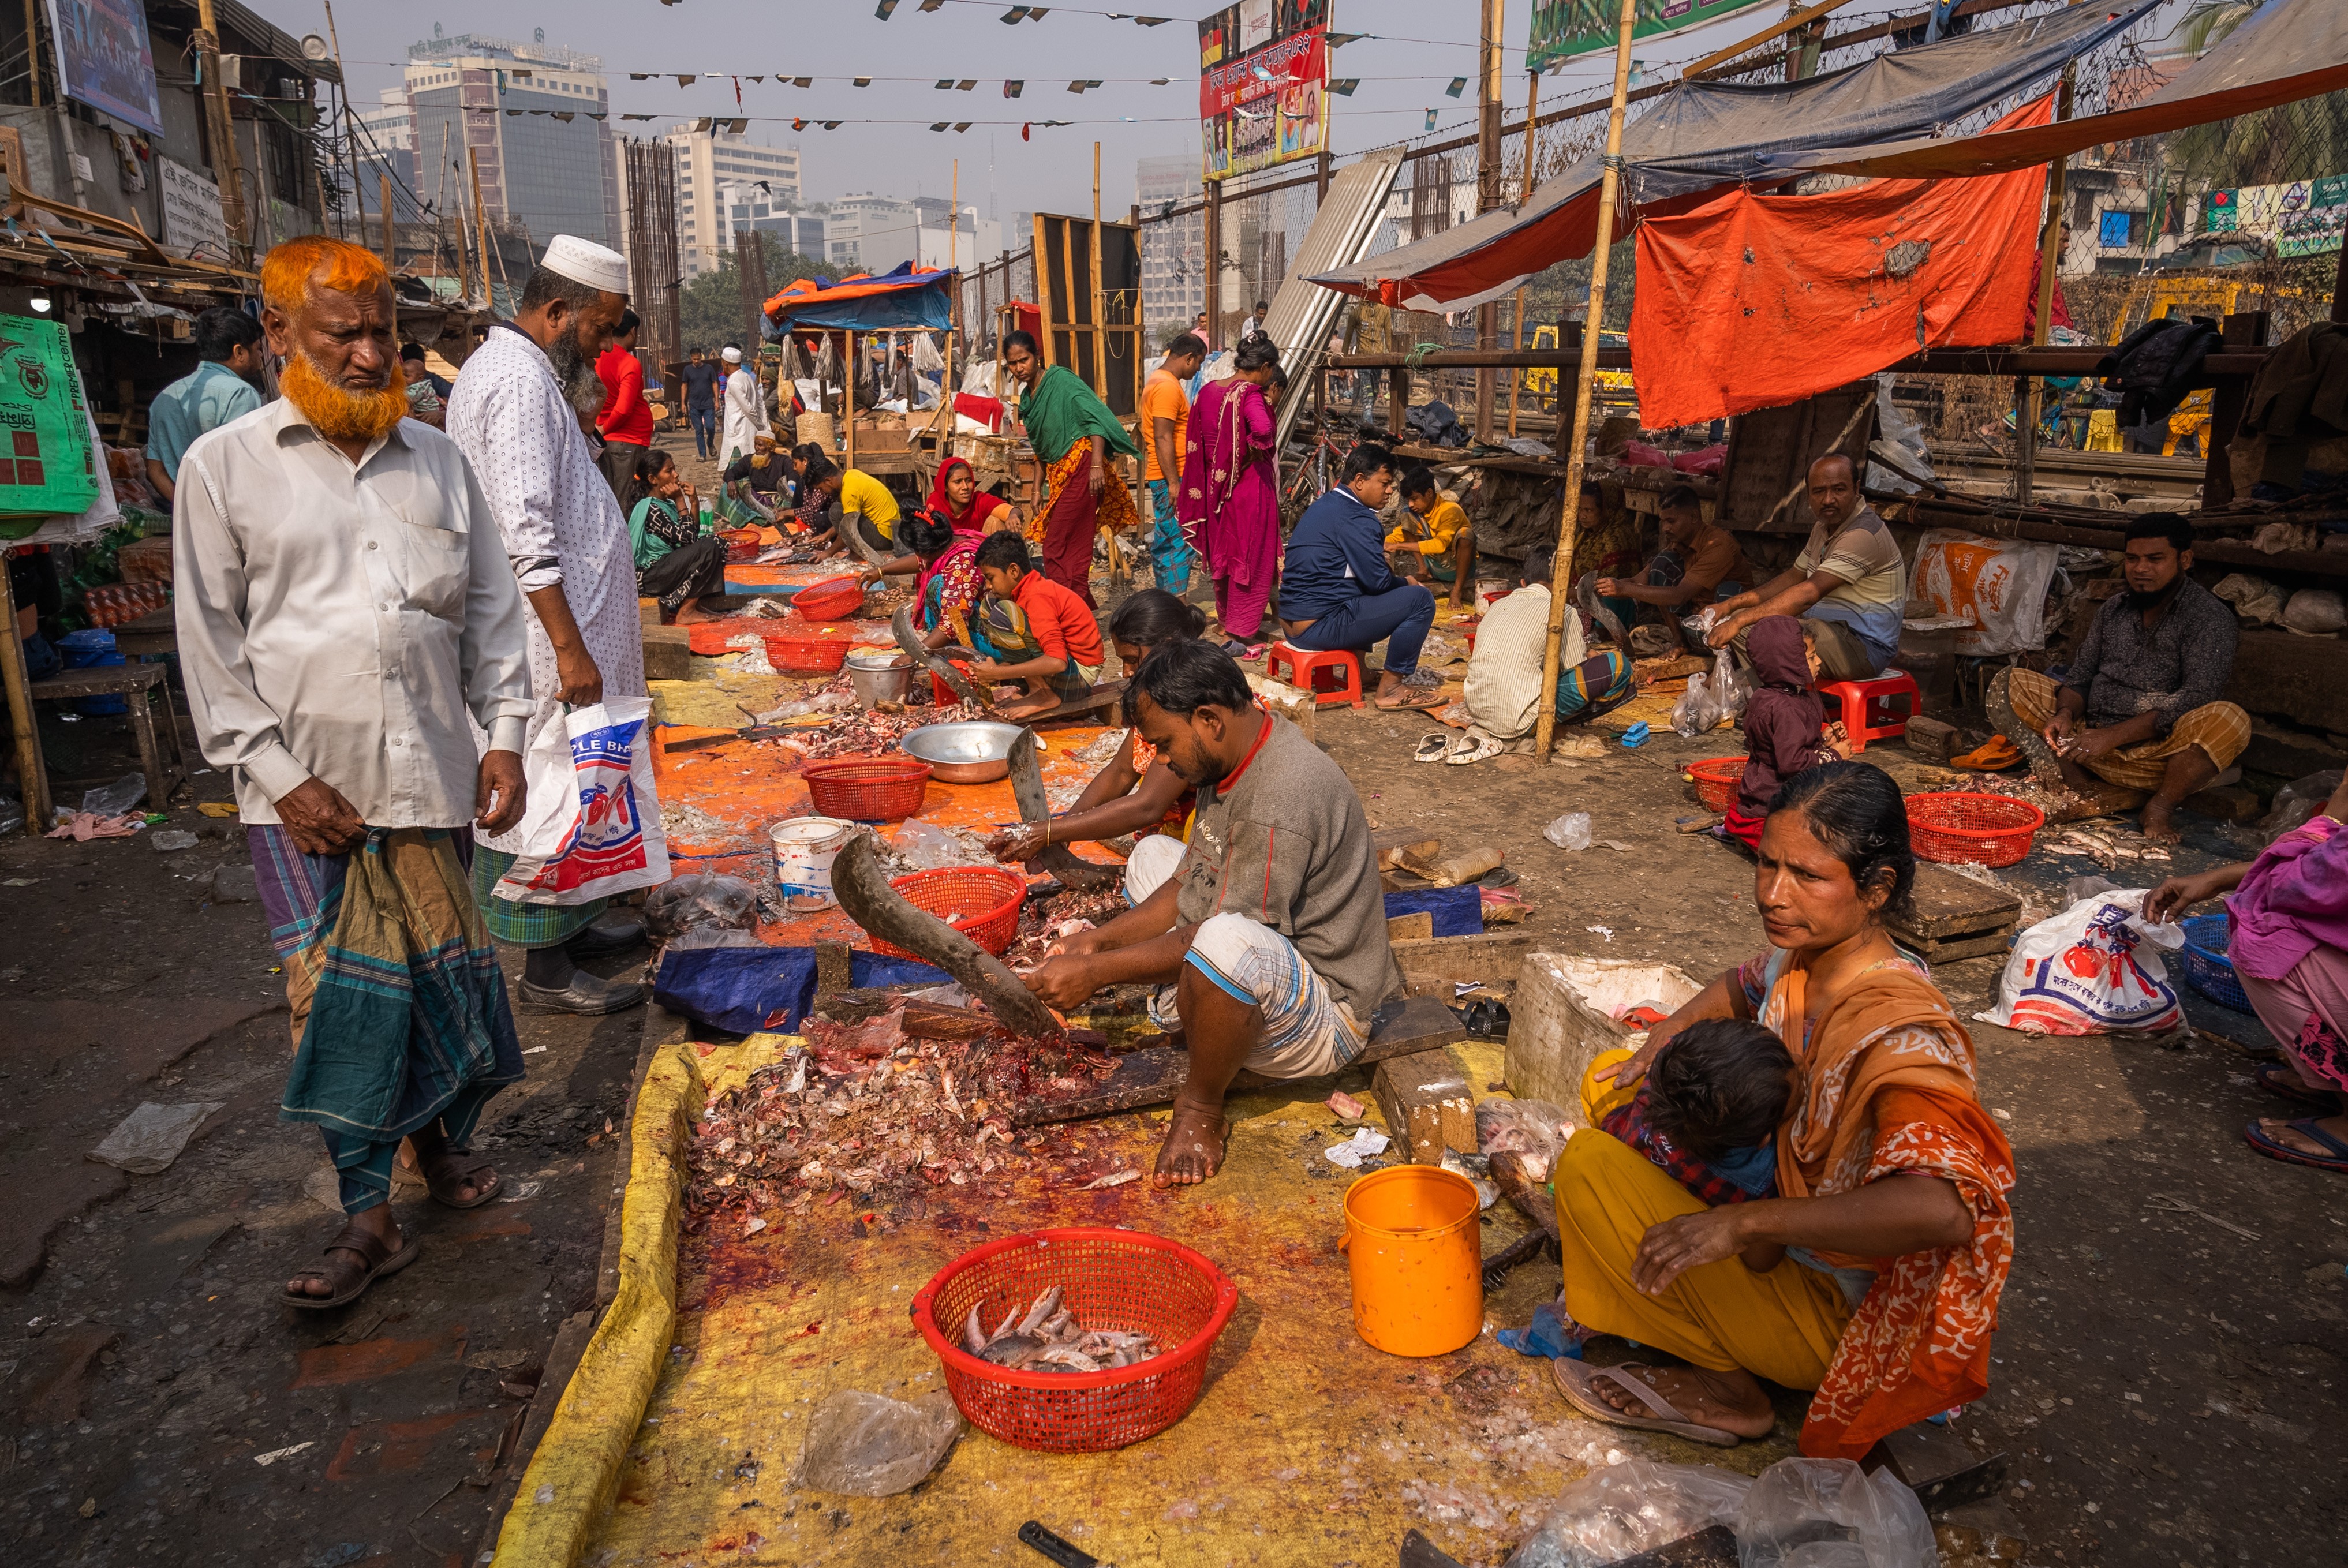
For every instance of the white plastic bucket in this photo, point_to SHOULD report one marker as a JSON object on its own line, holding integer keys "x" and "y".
{"x": 804, "y": 850}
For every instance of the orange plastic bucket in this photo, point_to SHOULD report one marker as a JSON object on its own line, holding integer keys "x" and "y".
{"x": 1416, "y": 1249}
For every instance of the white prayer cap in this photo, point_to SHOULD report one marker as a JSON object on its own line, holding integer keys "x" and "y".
{"x": 733, "y": 356}
{"x": 585, "y": 261}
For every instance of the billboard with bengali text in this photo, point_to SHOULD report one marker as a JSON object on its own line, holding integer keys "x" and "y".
{"x": 1563, "y": 29}
{"x": 103, "y": 59}
{"x": 1263, "y": 85}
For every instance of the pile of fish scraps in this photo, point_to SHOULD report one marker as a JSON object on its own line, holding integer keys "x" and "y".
{"x": 871, "y": 1110}
{"x": 1048, "y": 1339}
{"x": 1046, "y": 920}
{"x": 865, "y": 731}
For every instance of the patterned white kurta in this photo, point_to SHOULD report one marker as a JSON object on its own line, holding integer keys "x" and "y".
{"x": 561, "y": 522}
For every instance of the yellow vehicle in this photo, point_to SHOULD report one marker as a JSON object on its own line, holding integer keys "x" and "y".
{"x": 1543, "y": 383}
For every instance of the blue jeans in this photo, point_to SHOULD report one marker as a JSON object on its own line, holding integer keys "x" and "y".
{"x": 1170, "y": 552}
{"x": 704, "y": 429}
{"x": 1664, "y": 570}
{"x": 1402, "y": 617}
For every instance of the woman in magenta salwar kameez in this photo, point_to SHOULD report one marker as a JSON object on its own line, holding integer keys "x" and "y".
{"x": 1230, "y": 500}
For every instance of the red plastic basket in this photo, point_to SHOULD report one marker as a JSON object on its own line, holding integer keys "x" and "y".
{"x": 980, "y": 901}
{"x": 1715, "y": 781}
{"x": 867, "y": 789}
{"x": 709, "y": 637}
{"x": 1965, "y": 825}
{"x": 1116, "y": 1279}
{"x": 830, "y": 599}
{"x": 805, "y": 650}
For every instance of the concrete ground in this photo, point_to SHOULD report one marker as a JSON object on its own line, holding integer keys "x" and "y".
{"x": 161, "y": 1406}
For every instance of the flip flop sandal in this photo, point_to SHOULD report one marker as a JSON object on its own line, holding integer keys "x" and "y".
{"x": 447, "y": 1171}
{"x": 2337, "y": 1163}
{"x": 1994, "y": 756}
{"x": 379, "y": 1258}
{"x": 2269, "y": 1078}
{"x": 1576, "y": 1379}
{"x": 1498, "y": 876}
{"x": 1476, "y": 750}
{"x": 1431, "y": 746}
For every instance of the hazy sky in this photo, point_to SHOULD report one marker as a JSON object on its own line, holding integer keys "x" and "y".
{"x": 1416, "y": 48}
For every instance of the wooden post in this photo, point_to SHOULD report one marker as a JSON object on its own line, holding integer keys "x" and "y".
{"x": 953, "y": 319}
{"x": 848, "y": 394}
{"x": 1100, "y": 302}
{"x": 481, "y": 227}
{"x": 1320, "y": 176}
{"x": 2243, "y": 330}
{"x": 222, "y": 125}
{"x": 2050, "y": 243}
{"x": 33, "y": 85}
{"x": 2340, "y": 288}
{"x": 1397, "y": 401}
{"x": 31, "y": 776}
{"x": 390, "y": 244}
{"x": 1487, "y": 189}
{"x": 350, "y": 120}
{"x": 1516, "y": 309}
{"x": 1576, "y": 462}
{"x": 1212, "y": 301}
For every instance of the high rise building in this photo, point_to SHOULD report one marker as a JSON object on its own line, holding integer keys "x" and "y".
{"x": 720, "y": 170}
{"x": 535, "y": 115}
{"x": 1173, "y": 254}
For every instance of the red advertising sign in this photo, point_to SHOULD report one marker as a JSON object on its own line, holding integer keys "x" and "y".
{"x": 1263, "y": 79}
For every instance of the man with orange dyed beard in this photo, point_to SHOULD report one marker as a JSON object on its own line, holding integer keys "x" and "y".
{"x": 346, "y": 614}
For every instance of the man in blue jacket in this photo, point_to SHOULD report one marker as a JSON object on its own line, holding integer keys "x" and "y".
{"x": 1336, "y": 590}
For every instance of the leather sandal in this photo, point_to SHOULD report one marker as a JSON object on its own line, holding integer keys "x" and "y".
{"x": 377, "y": 1259}
{"x": 447, "y": 1172}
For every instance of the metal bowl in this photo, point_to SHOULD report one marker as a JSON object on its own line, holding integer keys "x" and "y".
{"x": 974, "y": 751}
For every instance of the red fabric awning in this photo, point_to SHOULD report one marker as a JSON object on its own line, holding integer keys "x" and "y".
{"x": 1754, "y": 302}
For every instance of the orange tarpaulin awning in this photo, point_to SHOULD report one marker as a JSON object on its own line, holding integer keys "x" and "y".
{"x": 1754, "y": 302}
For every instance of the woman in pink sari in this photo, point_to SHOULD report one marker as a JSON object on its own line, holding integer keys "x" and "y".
{"x": 1230, "y": 504}
{"x": 2290, "y": 949}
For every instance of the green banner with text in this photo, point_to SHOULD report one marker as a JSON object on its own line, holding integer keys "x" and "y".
{"x": 1563, "y": 29}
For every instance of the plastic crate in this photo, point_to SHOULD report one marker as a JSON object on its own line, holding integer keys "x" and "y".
{"x": 2208, "y": 968}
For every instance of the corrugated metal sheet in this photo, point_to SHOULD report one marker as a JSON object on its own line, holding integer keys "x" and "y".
{"x": 1343, "y": 232}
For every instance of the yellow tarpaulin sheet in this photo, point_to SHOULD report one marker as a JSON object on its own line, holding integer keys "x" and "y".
{"x": 675, "y": 1441}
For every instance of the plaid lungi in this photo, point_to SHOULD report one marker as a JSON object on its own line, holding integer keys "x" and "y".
{"x": 2219, "y": 728}
{"x": 526, "y": 924}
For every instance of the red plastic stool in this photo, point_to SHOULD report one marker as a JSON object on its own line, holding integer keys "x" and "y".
{"x": 1864, "y": 706}
{"x": 1304, "y": 667}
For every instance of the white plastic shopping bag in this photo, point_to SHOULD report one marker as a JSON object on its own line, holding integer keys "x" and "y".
{"x": 2091, "y": 970}
{"x": 592, "y": 825}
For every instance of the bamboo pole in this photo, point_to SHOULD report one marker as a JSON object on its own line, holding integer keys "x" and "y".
{"x": 481, "y": 227}
{"x": 953, "y": 320}
{"x": 33, "y": 79}
{"x": 1577, "y": 462}
{"x": 1488, "y": 188}
{"x": 1099, "y": 333}
{"x": 390, "y": 245}
{"x": 1517, "y": 311}
{"x": 350, "y": 122}
{"x": 223, "y": 133}
{"x": 31, "y": 777}
{"x": 2050, "y": 241}
{"x": 848, "y": 394}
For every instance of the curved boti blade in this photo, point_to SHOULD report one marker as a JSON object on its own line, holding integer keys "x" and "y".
{"x": 864, "y": 893}
{"x": 1071, "y": 869}
{"x": 901, "y": 623}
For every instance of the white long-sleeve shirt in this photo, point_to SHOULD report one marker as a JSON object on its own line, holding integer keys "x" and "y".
{"x": 744, "y": 418}
{"x": 340, "y": 621}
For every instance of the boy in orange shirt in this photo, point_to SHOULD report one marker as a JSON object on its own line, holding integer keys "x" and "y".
{"x": 1029, "y": 628}
{"x": 1165, "y": 427}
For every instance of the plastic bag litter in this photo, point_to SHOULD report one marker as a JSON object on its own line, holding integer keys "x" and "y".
{"x": 2093, "y": 969}
{"x": 924, "y": 846}
{"x": 1829, "y": 1514}
{"x": 702, "y": 900}
{"x": 1697, "y": 709}
{"x": 116, "y": 797}
{"x": 822, "y": 702}
{"x": 868, "y": 1445}
{"x": 146, "y": 1141}
{"x": 1570, "y": 832}
{"x": 1630, "y": 1508}
{"x": 2256, "y": 600}
{"x": 163, "y": 841}
{"x": 2297, "y": 801}
{"x": 1534, "y": 1128}
{"x": 1732, "y": 684}
{"x": 748, "y": 655}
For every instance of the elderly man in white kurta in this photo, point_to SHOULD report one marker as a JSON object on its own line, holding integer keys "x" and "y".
{"x": 516, "y": 413}
{"x": 744, "y": 418}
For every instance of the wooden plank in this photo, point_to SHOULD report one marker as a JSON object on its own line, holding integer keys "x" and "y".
{"x": 1947, "y": 905}
{"x": 1154, "y": 1074}
{"x": 1428, "y": 1104}
{"x": 668, "y": 653}
{"x": 1105, "y": 704}
{"x": 1938, "y": 1466}
{"x": 1429, "y": 967}
{"x": 1419, "y": 927}
{"x": 1955, "y": 949}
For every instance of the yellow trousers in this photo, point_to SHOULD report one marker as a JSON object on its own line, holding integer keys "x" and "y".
{"x": 1782, "y": 1326}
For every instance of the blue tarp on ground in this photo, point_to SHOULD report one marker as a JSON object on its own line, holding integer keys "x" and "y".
{"x": 745, "y": 989}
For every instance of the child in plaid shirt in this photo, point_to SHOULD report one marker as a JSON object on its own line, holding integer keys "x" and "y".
{"x": 1708, "y": 1110}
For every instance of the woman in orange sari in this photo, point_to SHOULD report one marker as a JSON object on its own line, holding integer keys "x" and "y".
{"x": 1874, "y": 1276}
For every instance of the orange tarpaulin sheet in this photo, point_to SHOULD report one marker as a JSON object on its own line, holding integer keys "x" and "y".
{"x": 1753, "y": 302}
